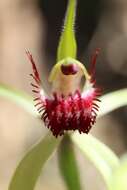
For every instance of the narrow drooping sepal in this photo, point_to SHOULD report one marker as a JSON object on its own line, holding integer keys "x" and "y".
{"x": 67, "y": 45}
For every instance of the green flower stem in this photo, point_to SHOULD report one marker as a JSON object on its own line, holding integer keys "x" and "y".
{"x": 68, "y": 165}
{"x": 67, "y": 45}
{"x": 29, "y": 169}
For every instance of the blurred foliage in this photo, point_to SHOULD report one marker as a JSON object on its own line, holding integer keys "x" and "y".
{"x": 119, "y": 178}
{"x": 29, "y": 169}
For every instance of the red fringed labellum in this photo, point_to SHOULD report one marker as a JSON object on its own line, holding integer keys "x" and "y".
{"x": 71, "y": 113}
{"x": 60, "y": 113}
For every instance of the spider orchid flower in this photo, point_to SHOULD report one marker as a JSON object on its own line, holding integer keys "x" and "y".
{"x": 70, "y": 105}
